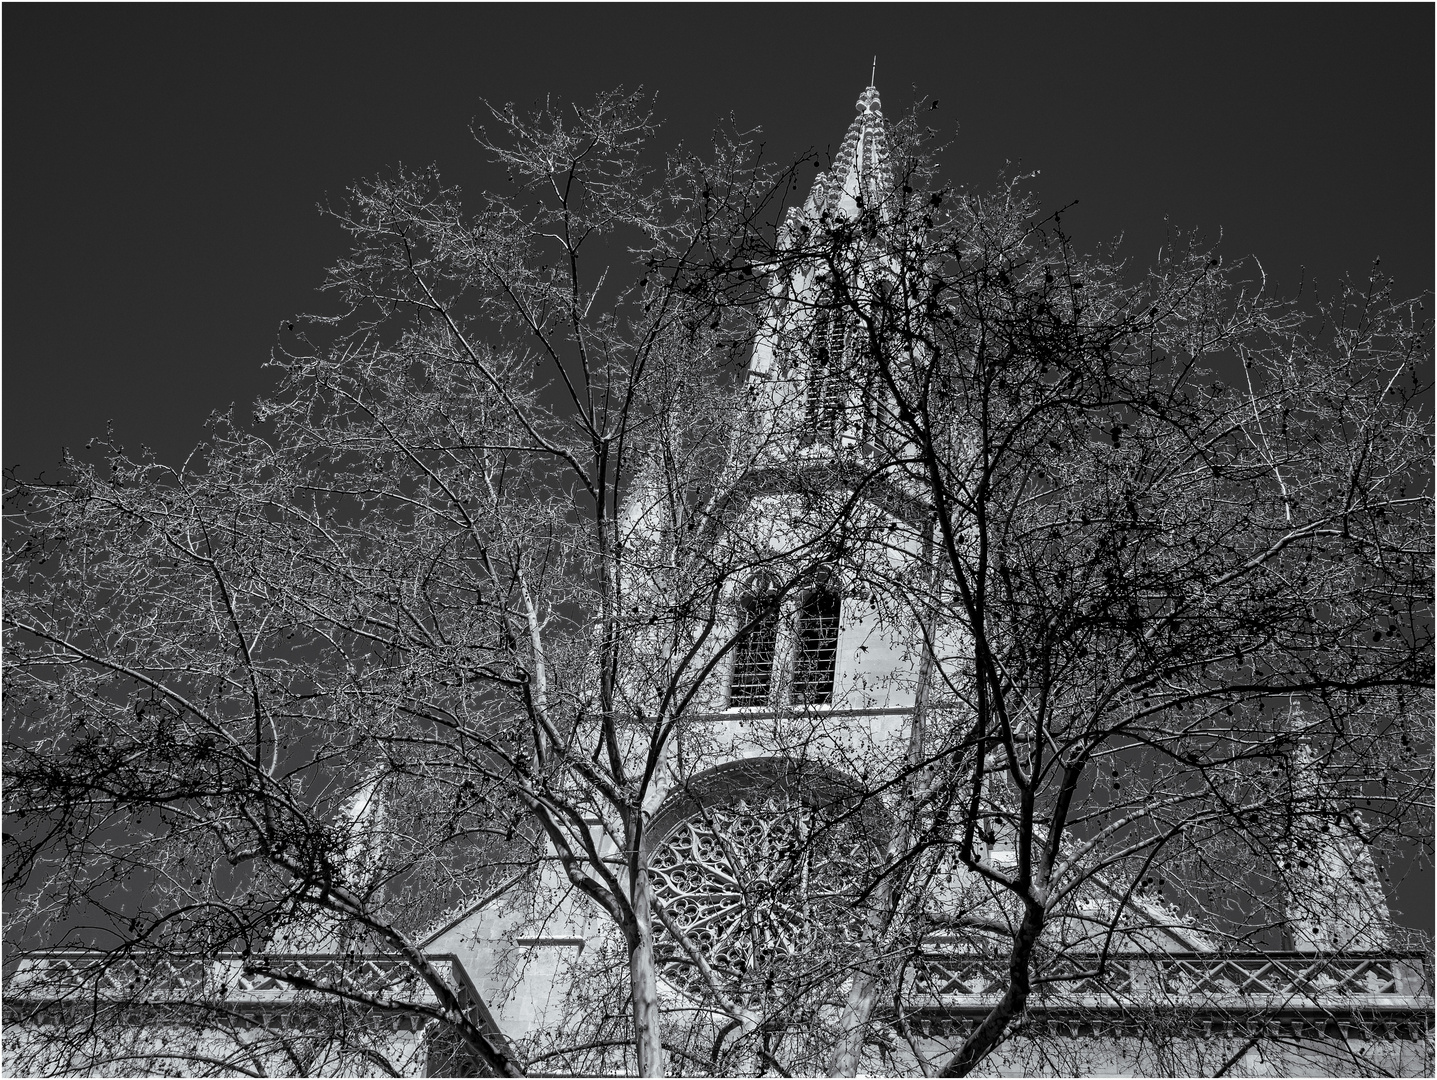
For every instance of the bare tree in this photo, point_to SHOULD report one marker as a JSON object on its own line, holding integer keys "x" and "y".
{"x": 371, "y": 661}
{"x": 1176, "y": 587}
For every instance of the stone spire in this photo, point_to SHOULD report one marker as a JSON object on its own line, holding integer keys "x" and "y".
{"x": 1334, "y": 897}
{"x": 808, "y": 348}
{"x": 860, "y": 168}
{"x": 363, "y": 822}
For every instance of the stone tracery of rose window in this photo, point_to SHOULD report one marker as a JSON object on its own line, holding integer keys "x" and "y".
{"x": 759, "y": 887}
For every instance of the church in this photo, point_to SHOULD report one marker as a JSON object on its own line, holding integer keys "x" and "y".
{"x": 763, "y": 837}
{"x": 827, "y": 685}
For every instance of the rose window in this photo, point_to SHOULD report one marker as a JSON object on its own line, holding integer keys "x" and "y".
{"x": 757, "y": 887}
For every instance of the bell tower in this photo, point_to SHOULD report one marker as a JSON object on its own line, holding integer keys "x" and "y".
{"x": 807, "y": 634}
{"x": 766, "y": 833}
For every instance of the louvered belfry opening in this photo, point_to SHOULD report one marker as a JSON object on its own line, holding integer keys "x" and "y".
{"x": 752, "y": 681}
{"x": 828, "y": 351}
{"x": 816, "y": 634}
{"x": 843, "y": 396}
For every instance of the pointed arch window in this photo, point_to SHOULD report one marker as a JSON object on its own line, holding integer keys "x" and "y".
{"x": 816, "y": 624}
{"x": 754, "y": 652}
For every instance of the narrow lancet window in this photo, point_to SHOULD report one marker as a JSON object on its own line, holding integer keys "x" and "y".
{"x": 816, "y": 653}
{"x": 753, "y": 655}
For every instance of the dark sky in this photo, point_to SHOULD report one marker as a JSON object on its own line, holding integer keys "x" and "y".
{"x": 162, "y": 164}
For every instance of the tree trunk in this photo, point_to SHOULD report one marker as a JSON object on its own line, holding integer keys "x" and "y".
{"x": 848, "y": 1051}
{"x": 990, "y": 1032}
{"x": 863, "y": 994}
{"x": 643, "y": 980}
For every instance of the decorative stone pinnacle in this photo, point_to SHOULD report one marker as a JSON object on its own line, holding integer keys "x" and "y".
{"x": 862, "y": 159}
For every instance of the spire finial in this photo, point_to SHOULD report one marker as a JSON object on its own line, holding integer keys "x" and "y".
{"x": 873, "y": 76}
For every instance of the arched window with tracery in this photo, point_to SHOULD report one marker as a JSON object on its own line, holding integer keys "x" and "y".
{"x": 754, "y": 652}
{"x": 816, "y": 622}
{"x": 762, "y": 865}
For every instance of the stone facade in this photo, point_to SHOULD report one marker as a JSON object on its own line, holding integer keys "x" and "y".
{"x": 1168, "y": 1001}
